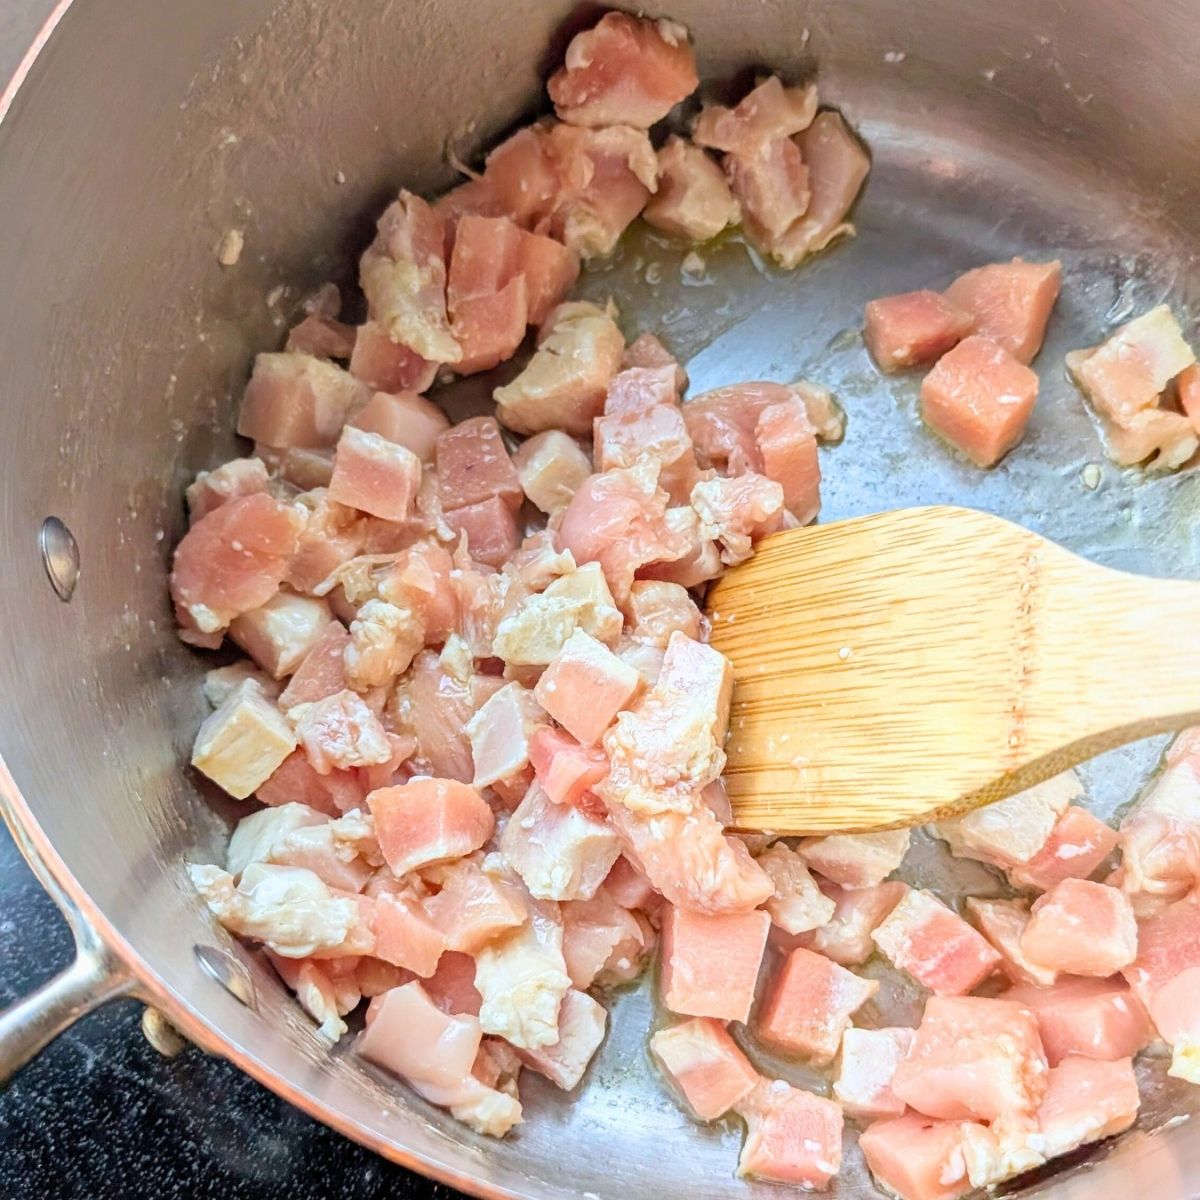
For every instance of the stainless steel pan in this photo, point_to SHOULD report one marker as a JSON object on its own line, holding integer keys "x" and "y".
{"x": 139, "y": 132}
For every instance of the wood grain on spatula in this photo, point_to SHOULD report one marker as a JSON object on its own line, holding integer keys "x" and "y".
{"x": 907, "y": 666}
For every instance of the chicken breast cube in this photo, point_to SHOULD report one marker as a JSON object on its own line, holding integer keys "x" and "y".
{"x": 500, "y": 732}
{"x": 693, "y": 200}
{"x": 638, "y": 389}
{"x": 581, "y": 1025}
{"x": 935, "y": 946}
{"x": 325, "y": 990}
{"x": 241, "y": 744}
{"x": 657, "y": 433}
{"x": 229, "y": 481}
{"x": 868, "y": 1061}
{"x": 603, "y": 943}
{"x": 564, "y": 385}
{"x": 473, "y": 465}
{"x": 979, "y": 399}
{"x": 560, "y": 852}
{"x": 913, "y": 328}
{"x": 792, "y": 1136}
{"x": 323, "y": 670}
{"x": 295, "y": 780}
{"x": 585, "y": 686}
{"x": 786, "y": 440}
{"x": 257, "y": 835}
{"x": 1082, "y": 928}
{"x": 704, "y": 1065}
{"x": 340, "y": 731}
{"x": 491, "y": 528}
{"x": 669, "y": 747}
{"x": 522, "y": 978}
{"x": 221, "y": 682}
{"x": 974, "y": 1059}
{"x": 427, "y": 821}
{"x": 296, "y": 401}
{"x": 735, "y": 513}
{"x": 1077, "y": 845}
{"x": 626, "y": 70}
{"x": 916, "y": 1158}
{"x": 374, "y": 475}
{"x": 565, "y": 769}
{"x": 1086, "y": 1100}
{"x": 551, "y": 466}
{"x": 406, "y": 419}
{"x": 810, "y": 1005}
{"x": 657, "y": 609}
{"x": 384, "y": 639}
{"x": 474, "y": 906}
{"x": 770, "y": 183}
{"x": 1010, "y": 303}
{"x": 846, "y": 937}
{"x": 798, "y": 904}
{"x": 1003, "y": 922}
{"x": 710, "y": 962}
{"x": 1010, "y": 832}
{"x": 392, "y": 367}
{"x": 856, "y": 860}
{"x": 768, "y": 111}
{"x": 279, "y": 634}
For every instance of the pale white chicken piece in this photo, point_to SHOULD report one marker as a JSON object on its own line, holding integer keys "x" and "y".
{"x": 340, "y": 731}
{"x": 581, "y": 1023}
{"x": 856, "y": 860}
{"x": 279, "y": 634}
{"x": 241, "y": 744}
{"x": 221, "y": 682}
{"x": 798, "y": 904}
{"x": 499, "y": 733}
{"x": 256, "y": 835}
{"x": 384, "y": 639}
{"x": 736, "y": 512}
{"x": 551, "y": 466}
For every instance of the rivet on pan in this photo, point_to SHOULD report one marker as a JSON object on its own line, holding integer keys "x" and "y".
{"x": 161, "y": 1034}
{"x": 228, "y": 972}
{"x": 60, "y": 556}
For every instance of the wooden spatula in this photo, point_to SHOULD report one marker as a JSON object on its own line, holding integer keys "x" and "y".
{"x": 909, "y": 666}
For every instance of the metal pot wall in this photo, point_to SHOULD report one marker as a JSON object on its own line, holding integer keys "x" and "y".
{"x": 138, "y": 133}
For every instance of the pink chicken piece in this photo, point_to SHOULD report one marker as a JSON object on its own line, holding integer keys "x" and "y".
{"x": 389, "y": 366}
{"x": 405, "y": 418}
{"x": 297, "y": 401}
{"x": 868, "y": 1060}
{"x": 1082, "y": 928}
{"x": 974, "y": 1059}
{"x": 603, "y": 943}
{"x": 640, "y": 389}
{"x": 1096, "y": 1018}
{"x": 786, "y": 441}
{"x": 798, "y": 904}
{"x": 917, "y": 1158}
{"x": 333, "y": 534}
{"x": 233, "y": 560}
{"x": 581, "y": 1025}
{"x": 230, "y": 481}
{"x": 549, "y": 270}
{"x": 566, "y": 770}
{"x": 500, "y": 732}
{"x": 474, "y": 465}
{"x": 935, "y": 945}
{"x": 856, "y": 860}
{"x": 491, "y": 529}
{"x": 630, "y": 888}
{"x": 403, "y": 275}
{"x": 422, "y": 580}
{"x": 858, "y": 912}
{"x": 710, "y": 962}
{"x": 1187, "y": 385}
{"x": 1009, "y": 303}
{"x": 427, "y": 821}
{"x": 585, "y": 687}
{"x": 322, "y": 672}
{"x": 694, "y": 200}
{"x": 406, "y": 935}
{"x": 914, "y": 328}
{"x": 1003, "y": 922}
{"x": 704, "y": 1065}
{"x": 437, "y": 706}
{"x": 374, "y": 475}
{"x": 770, "y": 183}
{"x": 295, "y": 780}
{"x": 979, "y": 399}
{"x": 473, "y": 907}
{"x": 1078, "y": 844}
{"x": 341, "y": 731}
{"x": 792, "y": 1136}
{"x": 322, "y": 337}
{"x": 657, "y": 433}
{"x": 735, "y": 513}
{"x": 521, "y": 178}
{"x": 769, "y": 111}
{"x": 626, "y": 70}
{"x": 409, "y": 1035}
{"x": 810, "y": 1005}
{"x": 647, "y": 351}
{"x": 1166, "y": 972}
{"x": 1086, "y": 1099}
{"x": 452, "y": 986}
{"x": 655, "y": 610}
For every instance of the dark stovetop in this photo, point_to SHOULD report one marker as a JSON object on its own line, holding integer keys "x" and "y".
{"x": 100, "y": 1115}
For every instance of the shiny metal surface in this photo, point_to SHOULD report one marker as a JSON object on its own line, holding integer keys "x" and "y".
{"x": 143, "y": 132}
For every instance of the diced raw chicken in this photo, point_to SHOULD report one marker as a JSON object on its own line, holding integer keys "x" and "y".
{"x": 564, "y": 384}
{"x": 340, "y": 731}
{"x": 996, "y": 1154}
{"x": 917, "y": 1158}
{"x": 332, "y": 535}
{"x": 549, "y": 269}
{"x": 769, "y": 111}
{"x": 220, "y": 682}
{"x": 704, "y": 1065}
{"x": 1097, "y": 1018}
{"x": 846, "y": 937}
{"x": 603, "y": 943}
{"x": 295, "y": 780}
{"x": 327, "y": 991}
{"x": 322, "y": 671}
{"x": 1086, "y": 1100}
{"x": 656, "y": 610}
{"x": 1010, "y": 302}
{"x": 657, "y": 434}
{"x": 491, "y": 528}
{"x": 289, "y": 909}
{"x": 735, "y": 513}
{"x": 792, "y": 1136}
{"x": 710, "y": 962}
{"x": 256, "y": 835}
{"x": 473, "y": 465}
{"x": 233, "y": 560}
{"x": 559, "y": 851}
{"x": 406, "y": 418}
{"x": 935, "y": 946}
{"x": 231, "y": 480}
{"x": 647, "y": 351}
{"x": 279, "y": 635}
{"x": 798, "y": 904}
{"x": 868, "y": 1061}
{"x": 500, "y": 733}
{"x": 523, "y": 178}
{"x": 297, "y": 401}
{"x": 1003, "y": 922}
{"x": 342, "y": 853}
{"x": 435, "y": 706}
{"x": 522, "y": 978}
{"x": 452, "y": 986}
{"x": 979, "y": 399}
{"x": 389, "y": 366}
{"x": 1012, "y": 831}
{"x": 786, "y": 441}
{"x": 403, "y": 275}
{"x": 974, "y": 1059}
{"x": 406, "y": 934}
{"x": 428, "y": 821}
{"x": 810, "y": 1005}
{"x": 630, "y": 888}
{"x": 1077, "y": 845}
{"x": 693, "y": 200}
{"x": 374, "y": 977}
{"x": 770, "y": 183}
{"x": 626, "y": 70}
{"x": 1187, "y": 386}
{"x": 322, "y": 337}
{"x": 586, "y": 686}
{"x": 581, "y": 1025}
{"x": 639, "y": 389}
{"x": 1168, "y": 948}
{"x": 856, "y": 860}
{"x": 1081, "y": 928}
{"x": 669, "y": 746}
{"x": 551, "y": 466}
{"x": 241, "y": 744}
{"x": 474, "y": 906}
{"x": 566, "y": 770}
{"x": 700, "y": 559}
{"x": 837, "y": 166}
{"x": 914, "y": 328}
{"x": 421, "y": 580}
